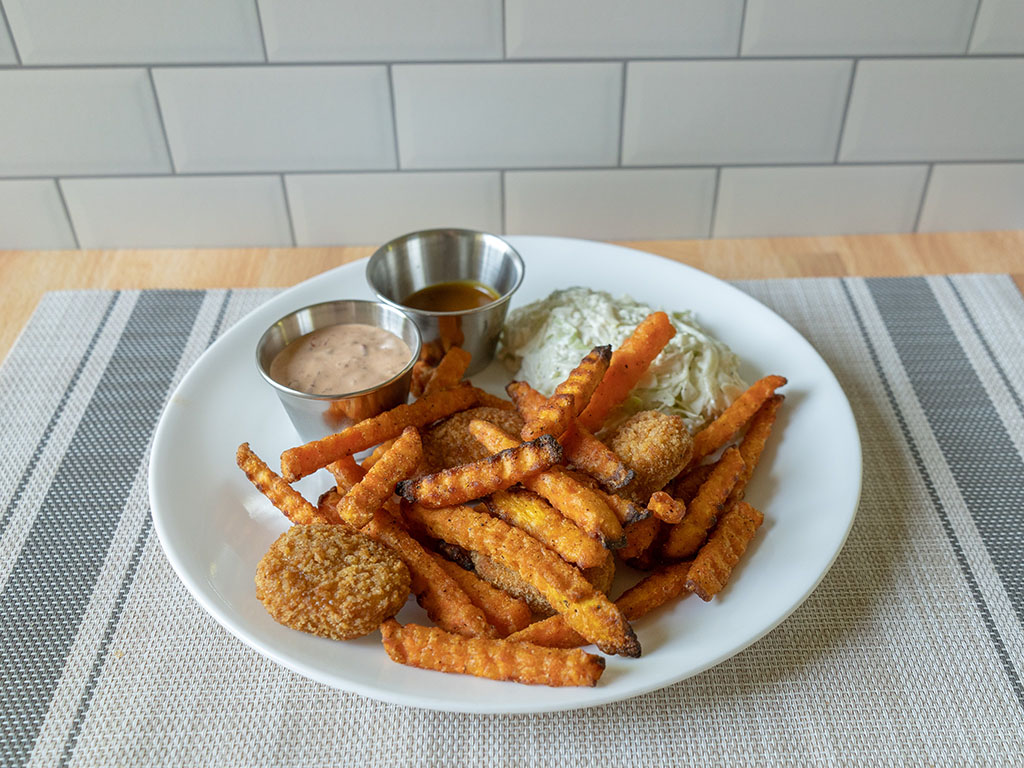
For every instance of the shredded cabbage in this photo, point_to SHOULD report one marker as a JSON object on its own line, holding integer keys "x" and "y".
{"x": 695, "y": 376}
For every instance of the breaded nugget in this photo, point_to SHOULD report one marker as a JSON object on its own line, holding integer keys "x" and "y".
{"x": 654, "y": 445}
{"x": 331, "y": 581}
{"x": 449, "y": 443}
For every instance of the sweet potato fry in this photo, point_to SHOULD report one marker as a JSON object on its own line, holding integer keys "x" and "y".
{"x": 445, "y": 602}
{"x": 714, "y": 563}
{"x": 586, "y": 610}
{"x": 346, "y": 473}
{"x": 421, "y": 373}
{"x": 734, "y": 418}
{"x": 449, "y": 371}
{"x": 327, "y": 505}
{"x": 684, "y": 539}
{"x": 281, "y": 495}
{"x": 531, "y": 513}
{"x": 570, "y": 396}
{"x": 375, "y": 455}
{"x": 582, "y": 449}
{"x": 686, "y": 485}
{"x": 305, "y": 459}
{"x": 582, "y": 505}
{"x": 505, "y": 613}
{"x": 652, "y": 592}
{"x": 753, "y": 443}
{"x": 628, "y": 364}
{"x": 378, "y": 485}
{"x": 639, "y": 536}
{"x": 479, "y": 478}
{"x": 487, "y": 400}
{"x": 665, "y": 508}
{"x": 432, "y": 648}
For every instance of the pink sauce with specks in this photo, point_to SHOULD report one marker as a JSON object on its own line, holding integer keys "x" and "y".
{"x": 339, "y": 359}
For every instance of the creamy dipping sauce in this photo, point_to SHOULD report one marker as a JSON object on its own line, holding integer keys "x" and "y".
{"x": 340, "y": 359}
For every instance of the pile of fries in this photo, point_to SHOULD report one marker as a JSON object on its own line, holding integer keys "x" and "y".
{"x": 540, "y": 521}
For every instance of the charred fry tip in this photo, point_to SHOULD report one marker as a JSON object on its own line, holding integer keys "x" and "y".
{"x": 603, "y": 352}
{"x": 615, "y": 543}
{"x": 619, "y": 480}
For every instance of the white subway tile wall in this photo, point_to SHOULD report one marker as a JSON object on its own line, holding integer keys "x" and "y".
{"x": 383, "y": 30}
{"x": 275, "y": 122}
{"x": 369, "y": 208}
{"x": 178, "y": 212}
{"x": 818, "y": 200}
{"x": 971, "y": 196}
{"x": 610, "y": 205}
{"x": 32, "y": 215}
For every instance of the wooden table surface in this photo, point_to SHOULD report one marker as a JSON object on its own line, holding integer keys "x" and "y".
{"x": 26, "y": 275}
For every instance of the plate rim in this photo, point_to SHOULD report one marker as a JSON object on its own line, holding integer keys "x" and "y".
{"x": 599, "y": 696}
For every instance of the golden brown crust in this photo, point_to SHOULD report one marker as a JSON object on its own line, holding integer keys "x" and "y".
{"x": 431, "y": 648}
{"x": 378, "y": 485}
{"x": 281, "y": 495}
{"x": 628, "y": 364}
{"x": 477, "y": 479}
{"x": 656, "y": 446}
{"x": 685, "y": 539}
{"x": 305, "y": 459}
{"x": 504, "y": 612}
{"x": 507, "y": 580}
{"x": 449, "y": 443}
{"x": 732, "y": 419}
{"x": 531, "y": 513}
{"x": 714, "y": 563}
{"x": 441, "y": 597}
{"x": 570, "y": 397}
{"x": 639, "y": 536}
{"x": 330, "y": 581}
{"x": 587, "y": 611}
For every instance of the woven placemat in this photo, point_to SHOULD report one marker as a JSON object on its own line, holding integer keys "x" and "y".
{"x": 909, "y": 652}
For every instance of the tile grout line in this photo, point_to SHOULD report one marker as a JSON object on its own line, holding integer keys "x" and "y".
{"x": 67, "y": 212}
{"x": 743, "y": 26}
{"x": 288, "y": 210}
{"x": 394, "y": 117}
{"x": 924, "y": 197}
{"x": 504, "y": 32}
{"x": 504, "y": 215}
{"x": 622, "y": 111}
{"x": 163, "y": 126}
{"x": 10, "y": 34}
{"x": 846, "y": 112}
{"x": 714, "y": 202}
{"x": 263, "y": 36}
{"x": 974, "y": 24}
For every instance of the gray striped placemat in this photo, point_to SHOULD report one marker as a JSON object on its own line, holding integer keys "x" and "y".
{"x": 911, "y": 651}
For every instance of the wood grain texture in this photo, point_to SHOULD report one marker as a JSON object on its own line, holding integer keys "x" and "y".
{"x": 26, "y": 275}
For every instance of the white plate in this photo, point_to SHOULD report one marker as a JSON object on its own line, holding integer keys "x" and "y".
{"x": 215, "y": 527}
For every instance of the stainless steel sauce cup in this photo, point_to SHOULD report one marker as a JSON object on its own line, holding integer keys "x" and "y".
{"x": 411, "y": 262}
{"x": 315, "y": 416}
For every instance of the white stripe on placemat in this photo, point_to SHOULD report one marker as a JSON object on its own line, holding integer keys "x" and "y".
{"x": 983, "y": 580}
{"x": 70, "y": 696}
{"x": 40, "y": 473}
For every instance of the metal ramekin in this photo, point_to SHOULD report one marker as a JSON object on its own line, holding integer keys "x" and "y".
{"x": 416, "y": 260}
{"x": 315, "y": 416}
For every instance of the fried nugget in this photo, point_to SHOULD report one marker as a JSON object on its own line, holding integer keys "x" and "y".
{"x": 475, "y": 480}
{"x": 330, "y": 581}
{"x": 432, "y": 648}
{"x": 656, "y": 446}
{"x": 449, "y": 443}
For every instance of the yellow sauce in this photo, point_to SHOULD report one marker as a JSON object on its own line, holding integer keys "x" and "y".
{"x": 452, "y": 296}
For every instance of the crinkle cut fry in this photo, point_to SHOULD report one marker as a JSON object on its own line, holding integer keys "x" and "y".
{"x": 714, "y": 563}
{"x": 586, "y": 610}
{"x": 529, "y": 511}
{"x": 479, "y": 478}
{"x": 449, "y": 371}
{"x": 628, "y": 364}
{"x": 685, "y": 539}
{"x": 734, "y": 418}
{"x": 306, "y": 459}
{"x": 281, "y": 495}
{"x": 639, "y": 537}
{"x": 581, "y": 504}
{"x": 582, "y": 449}
{"x": 378, "y": 485}
{"x": 505, "y": 613}
{"x": 445, "y": 602}
{"x": 432, "y": 648}
{"x": 753, "y": 442}
{"x": 570, "y": 397}
{"x": 686, "y": 485}
{"x": 652, "y": 592}
{"x": 347, "y": 473}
